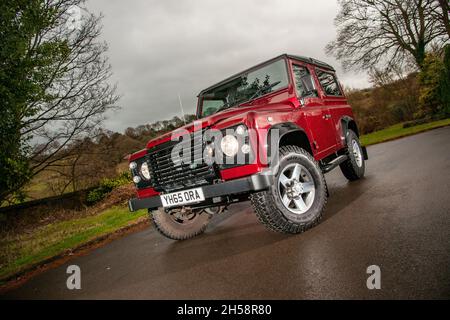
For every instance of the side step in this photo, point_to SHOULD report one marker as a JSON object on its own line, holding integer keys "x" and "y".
{"x": 334, "y": 163}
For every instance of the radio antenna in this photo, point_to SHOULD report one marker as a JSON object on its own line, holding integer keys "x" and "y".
{"x": 181, "y": 107}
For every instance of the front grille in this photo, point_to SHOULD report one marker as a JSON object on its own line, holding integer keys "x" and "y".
{"x": 175, "y": 174}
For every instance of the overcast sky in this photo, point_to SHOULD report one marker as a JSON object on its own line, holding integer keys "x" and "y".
{"x": 161, "y": 48}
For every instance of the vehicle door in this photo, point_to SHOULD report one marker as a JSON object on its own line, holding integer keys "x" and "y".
{"x": 316, "y": 113}
{"x": 333, "y": 99}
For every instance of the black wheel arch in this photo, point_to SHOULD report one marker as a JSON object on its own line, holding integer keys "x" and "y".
{"x": 290, "y": 134}
{"x": 348, "y": 122}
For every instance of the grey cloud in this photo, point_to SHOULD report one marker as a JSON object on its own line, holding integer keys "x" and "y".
{"x": 161, "y": 48}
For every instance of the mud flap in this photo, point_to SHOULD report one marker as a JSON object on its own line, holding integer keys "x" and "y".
{"x": 365, "y": 155}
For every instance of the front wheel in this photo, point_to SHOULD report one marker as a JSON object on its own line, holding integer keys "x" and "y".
{"x": 296, "y": 200}
{"x": 354, "y": 167}
{"x": 181, "y": 223}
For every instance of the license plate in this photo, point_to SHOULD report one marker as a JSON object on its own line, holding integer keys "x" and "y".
{"x": 182, "y": 197}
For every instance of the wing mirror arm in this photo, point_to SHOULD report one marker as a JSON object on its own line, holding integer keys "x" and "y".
{"x": 302, "y": 101}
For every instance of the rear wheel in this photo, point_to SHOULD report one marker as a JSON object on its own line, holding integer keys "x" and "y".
{"x": 296, "y": 200}
{"x": 180, "y": 223}
{"x": 354, "y": 167}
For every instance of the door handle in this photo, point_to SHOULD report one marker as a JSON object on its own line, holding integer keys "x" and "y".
{"x": 327, "y": 116}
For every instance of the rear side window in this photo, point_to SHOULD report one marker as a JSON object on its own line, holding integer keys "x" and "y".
{"x": 303, "y": 82}
{"x": 329, "y": 83}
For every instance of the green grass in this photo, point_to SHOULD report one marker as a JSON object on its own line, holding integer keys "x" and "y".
{"x": 18, "y": 252}
{"x": 397, "y": 131}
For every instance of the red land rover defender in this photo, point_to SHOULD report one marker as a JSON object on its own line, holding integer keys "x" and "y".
{"x": 267, "y": 134}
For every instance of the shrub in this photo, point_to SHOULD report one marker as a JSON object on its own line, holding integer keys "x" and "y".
{"x": 430, "y": 82}
{"x": 107, "y": 185}
{"x": 444, "y": 84}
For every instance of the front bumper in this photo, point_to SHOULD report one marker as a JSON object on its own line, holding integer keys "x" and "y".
{"x": 256, "y": 182}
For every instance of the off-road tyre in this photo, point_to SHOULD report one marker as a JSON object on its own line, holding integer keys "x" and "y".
{"x": 169, "y": 227}
{"x": 350, "y": 168}
{"x": 268, "y": 205}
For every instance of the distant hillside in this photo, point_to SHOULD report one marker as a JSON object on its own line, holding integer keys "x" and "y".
{"x": 95, "y": 159}
{"x": 387, "y": 103}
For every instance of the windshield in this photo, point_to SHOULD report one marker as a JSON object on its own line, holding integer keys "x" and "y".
{"x": 245, "y": 88}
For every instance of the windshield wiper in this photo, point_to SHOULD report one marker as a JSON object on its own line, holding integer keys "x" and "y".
{"x": 225, "y": 106}
{"x": 260, "y": 90}
{"x": 229, "y": 105}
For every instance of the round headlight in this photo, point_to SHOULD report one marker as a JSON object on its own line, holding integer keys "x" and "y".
{"x": 240, "y": 130}
{"x": 245, "y": 148}
{"x": 133, "y": 165}
{"x": 136, "y": 179}
{"x": 145, "y": 172}
{"x": 209, "y": 150}
{"x": 229, "y": 145}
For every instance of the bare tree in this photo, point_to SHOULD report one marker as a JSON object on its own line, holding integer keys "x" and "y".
{"x": 444, "y": 14}
{"x": 77, "y": 89}
{"x": 385, "y": 33}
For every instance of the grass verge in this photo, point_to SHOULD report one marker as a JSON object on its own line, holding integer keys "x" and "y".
{"x": 397, "y": 131}
{"x": 20, "y": 252}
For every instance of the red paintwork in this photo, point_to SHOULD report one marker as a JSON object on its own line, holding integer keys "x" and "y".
{"x": 147, "y": 192}
{"x": 325, "y": 135}
{"x": 245, "y": 170}
{"x": 137, "y": 155}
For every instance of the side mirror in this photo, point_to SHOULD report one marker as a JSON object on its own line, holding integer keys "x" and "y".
{"x": 305, "y": 100}
{"x": 302, "y": 101}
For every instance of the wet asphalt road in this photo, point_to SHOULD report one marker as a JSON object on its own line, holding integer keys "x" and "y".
{"x": 398, "y": 218}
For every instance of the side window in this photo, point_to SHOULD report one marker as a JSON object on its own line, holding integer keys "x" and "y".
{"x": 329, "y": 83}
{"x": 303, "y": 82}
